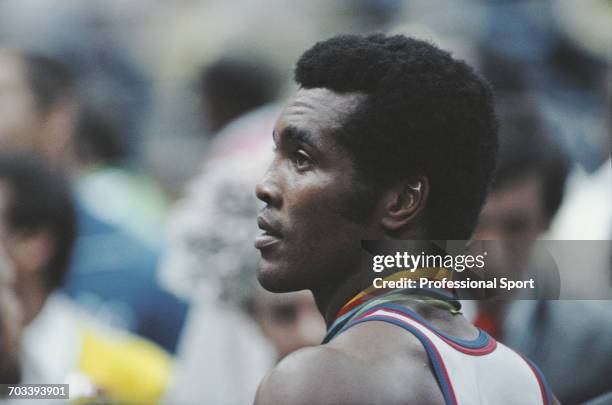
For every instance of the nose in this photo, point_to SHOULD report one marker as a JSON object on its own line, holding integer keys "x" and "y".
{"x": 267, "y": 190}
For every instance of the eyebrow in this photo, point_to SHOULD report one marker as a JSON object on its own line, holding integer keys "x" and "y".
{"x": 293, "y": 133}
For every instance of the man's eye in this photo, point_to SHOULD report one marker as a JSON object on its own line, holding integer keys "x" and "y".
{"x": 301, "y": 160}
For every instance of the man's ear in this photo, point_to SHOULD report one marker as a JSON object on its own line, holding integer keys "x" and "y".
{"x": 403, "y": 203}
{"x": 31, "y": 252}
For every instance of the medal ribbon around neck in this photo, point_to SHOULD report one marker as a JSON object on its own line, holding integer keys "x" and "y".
{"x": 442, "y": 298}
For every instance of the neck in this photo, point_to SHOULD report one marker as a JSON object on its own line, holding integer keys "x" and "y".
{"x": 331, "y": 300}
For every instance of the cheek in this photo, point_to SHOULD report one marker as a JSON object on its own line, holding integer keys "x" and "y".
{"x": 319, "y": 201}
{"x": 320, "y": 244}
{"x": 321, "y": 237}
{"x": 319, "y": 214}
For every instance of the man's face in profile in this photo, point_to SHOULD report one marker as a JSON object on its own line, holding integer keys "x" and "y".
{"x": 307, "y": 236}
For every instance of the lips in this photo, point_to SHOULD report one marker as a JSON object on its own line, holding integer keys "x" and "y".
{"x": 270, "y": 235}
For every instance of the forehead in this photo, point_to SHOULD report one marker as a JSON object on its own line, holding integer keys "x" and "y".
{"x": 318, "y": 111}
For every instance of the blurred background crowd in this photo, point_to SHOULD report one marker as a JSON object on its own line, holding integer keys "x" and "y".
{"x": 133, "y": 132}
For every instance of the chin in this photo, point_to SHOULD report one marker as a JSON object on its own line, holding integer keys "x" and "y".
{"x": 276, "y": 279}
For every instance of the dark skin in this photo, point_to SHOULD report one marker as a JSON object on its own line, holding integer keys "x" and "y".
{"x": 310, "y": 241}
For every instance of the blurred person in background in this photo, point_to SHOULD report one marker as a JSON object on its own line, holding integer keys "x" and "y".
{"x": 100, "y": 42}
{"x": 559, "y": 336}
{"x": 559, "y": 52}
{"x": 138, "y": 206}
{"x": 113, "y": 273}
{"x": 233, "y": 86}
{"x": 60, "y": 344}
{"x": 95, "y": 40}
{"x": 289, "y": 321}
{"x": 224, "y": 88}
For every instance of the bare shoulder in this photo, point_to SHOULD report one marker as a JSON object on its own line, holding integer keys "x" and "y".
{"x": 352, "y": 371}
{"x": 304, "y": 377}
